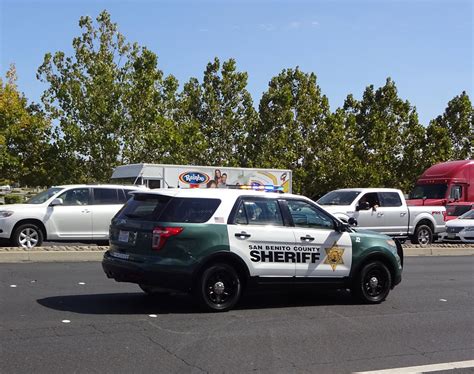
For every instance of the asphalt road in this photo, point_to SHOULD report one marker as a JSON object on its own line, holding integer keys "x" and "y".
{"x": 114, "y": 328}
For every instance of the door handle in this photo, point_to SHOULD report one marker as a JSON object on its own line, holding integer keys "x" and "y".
{"x": 403, "y": 214}
{"x": 307, "y": 238}
{"x": 379, "y": 214}
{"x": 86, "y": 211}
{"x": 242, "y": 235}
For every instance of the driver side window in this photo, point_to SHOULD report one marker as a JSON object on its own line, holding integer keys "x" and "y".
{"x": 76, "y": 196}
{"x": 306, "y": 215}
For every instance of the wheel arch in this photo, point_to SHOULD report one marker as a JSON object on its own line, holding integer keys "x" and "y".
{"x": 375, "y": 256}
{"x": 34, "y": 221}
{"x": 424, "y": 221}
{"x": 226, "y": 257}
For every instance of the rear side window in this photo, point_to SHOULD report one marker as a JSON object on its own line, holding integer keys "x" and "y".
{"x": 390, "y": 199}
{"x": 144, "y": 207}
{"x": 189, "y": 210}
{"x": 259, "y": 212}
{"x": 104, "y": 196}
{"x": 125, "y": 195}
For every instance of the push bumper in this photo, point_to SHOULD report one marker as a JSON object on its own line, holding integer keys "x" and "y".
{"x": 169, "y": 277}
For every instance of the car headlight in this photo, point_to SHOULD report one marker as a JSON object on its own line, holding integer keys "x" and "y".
{"x": 469, "y": 228}
{"x": 5, "y": 213}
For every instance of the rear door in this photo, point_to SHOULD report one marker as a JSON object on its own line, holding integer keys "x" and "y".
{"x": 260, "y": 236}
{"x": 394, "y": 212}
{"x": 321, "y": 250}
{"x": 106, "y": 203}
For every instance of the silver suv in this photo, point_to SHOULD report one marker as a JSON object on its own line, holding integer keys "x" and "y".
{"x": 70, "y": 212}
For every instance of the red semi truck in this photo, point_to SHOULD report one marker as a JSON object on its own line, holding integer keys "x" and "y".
{"x": 445, "y": 183}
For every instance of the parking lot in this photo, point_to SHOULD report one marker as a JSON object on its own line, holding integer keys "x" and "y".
{"x": 67, "y": 317}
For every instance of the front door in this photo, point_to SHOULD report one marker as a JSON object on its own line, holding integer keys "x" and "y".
{"x": 371, "y": 218}
{"x": 72, "y": 219}
{"x": 322, "y": 251}
{"x": 259, "y": 236}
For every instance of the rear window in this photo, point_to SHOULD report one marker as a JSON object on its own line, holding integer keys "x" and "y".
{"x": 144, "y": 207}
{"x": 189, "y": 210}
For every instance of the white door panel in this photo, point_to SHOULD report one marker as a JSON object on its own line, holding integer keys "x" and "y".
{"x": 334, "y": 248}
{"x": 396, "y": 220}
{"x": 265, "y": 249}
{"x": 69, "y": 222}
{"x": 101, "y": 217}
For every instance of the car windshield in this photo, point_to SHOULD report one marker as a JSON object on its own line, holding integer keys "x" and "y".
{"x": 338, "y": 198}
{"x": 43, "y": 196}
{"x": 457, "y": 210}
{"x": 430, "y": 191}
{"x": 468, "y": 215}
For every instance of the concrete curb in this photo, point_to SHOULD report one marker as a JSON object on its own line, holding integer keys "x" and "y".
{"x": 91, "y": 253}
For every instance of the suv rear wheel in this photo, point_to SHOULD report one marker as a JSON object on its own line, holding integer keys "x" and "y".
{"x": 218, "y": 288}
{"x": 373, "y": 283}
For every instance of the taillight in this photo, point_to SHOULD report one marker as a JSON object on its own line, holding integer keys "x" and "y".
{"x": 161, "y": 235}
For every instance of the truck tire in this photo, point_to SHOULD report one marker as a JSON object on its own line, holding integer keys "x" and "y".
{"x": 373, "y": 283}
{"x": 423, "y": 235}
{"x": 27, "y": 236}
{"x": 218, "y": 288}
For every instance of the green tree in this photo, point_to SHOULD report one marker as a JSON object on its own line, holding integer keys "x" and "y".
{"x": 290, "y": 112}
{"x": 223, "y": 108}
{"x": 451, "y": 135}
{"x": 111, "y": 102}
{"x": 24, "y": 137}
{"x": 388, "y": 137}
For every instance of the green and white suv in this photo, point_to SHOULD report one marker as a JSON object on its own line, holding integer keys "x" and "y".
{"x": 216, "y": 242}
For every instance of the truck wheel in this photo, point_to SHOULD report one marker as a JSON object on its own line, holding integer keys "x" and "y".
{"x": 423, "y": 235}
{"x": 218, "y": 288}
{"x": 373, "y": 283}
{"x": 27, "y": 236}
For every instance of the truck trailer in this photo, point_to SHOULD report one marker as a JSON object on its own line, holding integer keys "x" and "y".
{"x": 189, "y": 176}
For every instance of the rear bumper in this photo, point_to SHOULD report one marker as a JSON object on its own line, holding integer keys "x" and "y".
{"x": 170, "y": 277}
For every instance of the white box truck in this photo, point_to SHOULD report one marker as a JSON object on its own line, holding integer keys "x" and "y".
{"x": 188, "y": 176}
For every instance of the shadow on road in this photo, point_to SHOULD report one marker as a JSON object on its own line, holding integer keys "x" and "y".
{"x": 139, "y": 303}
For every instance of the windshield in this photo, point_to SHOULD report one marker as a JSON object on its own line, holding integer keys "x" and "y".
{"x": 43, "y": 196}
{"x": 338, "y": 198}
{"x": 468, "y": 215}
{"x": 430, "y": 191}
{"x": 457, "y": 210}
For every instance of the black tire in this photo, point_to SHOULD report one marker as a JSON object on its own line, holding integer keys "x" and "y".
{"x": 218, "y": 288}
{"x": 373, "y": 283}
{"x": 423, "y": 235}
{"x": 27, "y": 236}
{"x": 152, "y": 290}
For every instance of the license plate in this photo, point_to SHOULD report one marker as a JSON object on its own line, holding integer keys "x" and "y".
{"x": 123, "y": 256}
{"x": 451, "y": 236}
{"x": 123, "y": 236}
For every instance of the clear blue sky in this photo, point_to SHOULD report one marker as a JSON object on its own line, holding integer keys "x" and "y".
{"x": 425, "y": 46}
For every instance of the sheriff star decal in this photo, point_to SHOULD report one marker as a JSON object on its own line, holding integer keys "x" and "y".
{"x": 334, "y": 256}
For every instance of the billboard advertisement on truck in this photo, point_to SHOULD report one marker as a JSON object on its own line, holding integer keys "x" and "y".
{"x": 189, "y": 176}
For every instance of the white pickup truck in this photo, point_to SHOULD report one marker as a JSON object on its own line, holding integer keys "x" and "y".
{"x": 385, "y": 210}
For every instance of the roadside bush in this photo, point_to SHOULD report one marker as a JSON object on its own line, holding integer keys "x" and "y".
{"x": 14, "y": 199}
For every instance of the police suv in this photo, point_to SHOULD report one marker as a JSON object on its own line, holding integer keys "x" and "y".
{"x": 215, "y": 242}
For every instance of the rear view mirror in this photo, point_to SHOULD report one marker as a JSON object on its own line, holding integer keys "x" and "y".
{"x": 57, "y": 201}
{"x": 363, "y": 206}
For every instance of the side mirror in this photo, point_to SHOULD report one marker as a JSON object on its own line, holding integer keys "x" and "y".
{"x": 57, "y": 201}
{"x": 352, "y": 221}
{"x": 363, "y": 206}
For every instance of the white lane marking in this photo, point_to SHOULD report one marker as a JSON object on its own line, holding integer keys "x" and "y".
{"x": 443, "y": 300}
{"x": 152, "y": 315}
{"x": 65, "y": 321}
{"x": 423, "y": 368}
{"x": 12, "y": 285}
{"x": 81, "y": 283}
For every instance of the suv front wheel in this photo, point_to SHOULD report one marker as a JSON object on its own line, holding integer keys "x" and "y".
{"x": 373, "y": 283}
{"x": 27, "y": 236}
{"x": 218, "y": 288}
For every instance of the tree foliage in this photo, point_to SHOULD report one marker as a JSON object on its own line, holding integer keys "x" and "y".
{"x": 24, "y": 137}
